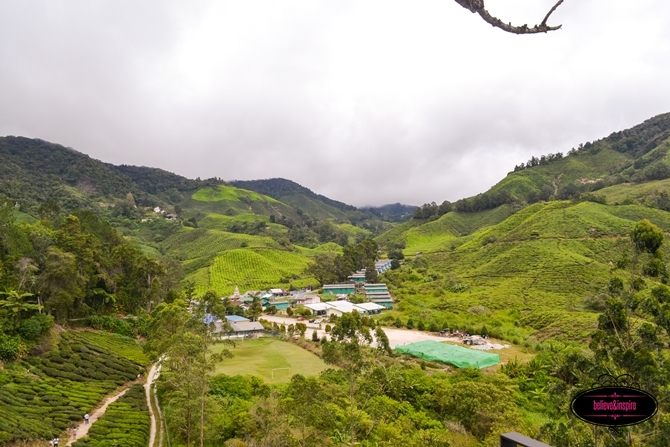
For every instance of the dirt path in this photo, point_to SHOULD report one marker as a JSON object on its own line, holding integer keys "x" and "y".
{"x": 82, "y": 428}
{"x": 555, "y": 181}
{"x": 153, "y": 374}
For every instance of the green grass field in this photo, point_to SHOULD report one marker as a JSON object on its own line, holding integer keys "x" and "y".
{"x": 259, "y": 356}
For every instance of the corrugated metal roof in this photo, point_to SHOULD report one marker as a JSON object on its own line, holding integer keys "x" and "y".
{"x": 245, "y": 326}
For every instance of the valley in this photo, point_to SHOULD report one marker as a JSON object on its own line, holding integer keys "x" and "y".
{"x": 106, "y": 269}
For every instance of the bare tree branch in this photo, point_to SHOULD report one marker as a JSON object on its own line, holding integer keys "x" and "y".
{"x": 477, "y": 6}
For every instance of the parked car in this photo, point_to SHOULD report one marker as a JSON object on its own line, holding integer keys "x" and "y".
{"x": 312, "y": 320}
{"x": 301, "y": 318}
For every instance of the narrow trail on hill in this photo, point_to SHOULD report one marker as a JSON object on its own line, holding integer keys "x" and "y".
{"x": 82, "y": 428}
{"x": 555, "y": 181}
{"x": 154, "y": 372}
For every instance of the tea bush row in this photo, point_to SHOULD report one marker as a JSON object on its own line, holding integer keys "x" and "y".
{"x": 43, "y": 395}
{"x": 126, "y": 422}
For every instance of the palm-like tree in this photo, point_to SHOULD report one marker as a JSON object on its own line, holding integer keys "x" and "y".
{"x": 15, "y": 303}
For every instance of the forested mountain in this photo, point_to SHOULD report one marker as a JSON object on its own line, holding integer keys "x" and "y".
{"x": 565, "y": 259}
{"x": 33, "y": 171}
{"x": 395, "y": 212}
{"x": 297, "y": 196}
{"x": 635, "y": 155}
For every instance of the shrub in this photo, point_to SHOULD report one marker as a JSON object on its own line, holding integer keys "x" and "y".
{"x": 111, "y": 324}
{"x": 10, "y": 348}
{"x": 36, "y": 326}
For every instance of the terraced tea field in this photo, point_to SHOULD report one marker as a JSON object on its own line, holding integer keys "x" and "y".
{"x": 191, "y": 243}
{"x": 122, "y": 346}
{"x": 41, "y": 396}
{"x": 230, "y": 193}
{"x": 540, "y": 268}
{"x": 125, "y": 423}
{"x": 257, "y": 269}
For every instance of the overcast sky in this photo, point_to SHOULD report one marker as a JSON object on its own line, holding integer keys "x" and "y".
{"x": 367, "y": 102}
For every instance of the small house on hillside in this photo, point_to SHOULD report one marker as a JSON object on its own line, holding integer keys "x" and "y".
{"x": 278, "y": 292}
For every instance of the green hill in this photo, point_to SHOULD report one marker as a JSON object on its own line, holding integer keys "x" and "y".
{"x": 316, "y": 205}
{"x": 523, "y": 260}
{"x": 543, "y": 267}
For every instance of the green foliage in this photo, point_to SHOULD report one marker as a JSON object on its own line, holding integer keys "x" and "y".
{"x": 42, "y": 396}
{"x": 34, "y": 327}
{"x": 111, "y": 323}
{"x": 647, "y": 237}
{"x": 125, "y": 422}
{"x": 227, "y": 193}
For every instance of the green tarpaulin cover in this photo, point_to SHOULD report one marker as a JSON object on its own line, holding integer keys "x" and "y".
{"x": 435, "y": 351}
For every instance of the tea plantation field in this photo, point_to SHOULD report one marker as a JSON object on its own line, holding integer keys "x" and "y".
{"x": 230, "y": 193}
{"x": 540, "y": 272}
{"x": 256, "y": 270}
{"x": 42, "y": 395}
{"x": 125, "y": 423}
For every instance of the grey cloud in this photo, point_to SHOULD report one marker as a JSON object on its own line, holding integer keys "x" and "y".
{"x": 366, "y": 102}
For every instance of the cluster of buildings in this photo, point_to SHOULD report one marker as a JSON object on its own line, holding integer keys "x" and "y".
{"x": 279, "y": 298}
{"x": 375, "y": 293}
{"x": 381, "y": 266}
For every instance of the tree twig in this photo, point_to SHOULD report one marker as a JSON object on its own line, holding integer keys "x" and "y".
{"x": 477, "y": 6}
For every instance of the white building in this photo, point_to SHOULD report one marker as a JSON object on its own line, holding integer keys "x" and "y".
{"x": 339, "y": 308}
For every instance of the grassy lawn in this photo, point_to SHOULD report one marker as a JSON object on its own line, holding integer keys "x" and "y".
{"x": 259, "y": 356}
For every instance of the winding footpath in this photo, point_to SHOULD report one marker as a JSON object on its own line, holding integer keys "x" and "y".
{"x": 82, "y": 428}
{"x": 154, "y": 372}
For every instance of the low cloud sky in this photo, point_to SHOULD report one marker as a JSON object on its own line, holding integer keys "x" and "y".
{"x": 366, "y": 102}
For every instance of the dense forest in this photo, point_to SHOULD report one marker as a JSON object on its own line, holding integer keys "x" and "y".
{"x": 70, "y": 267}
